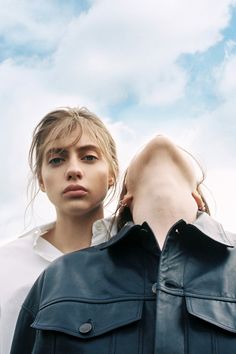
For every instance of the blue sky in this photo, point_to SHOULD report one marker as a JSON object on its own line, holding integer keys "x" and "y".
{"x": 145, "y": 67}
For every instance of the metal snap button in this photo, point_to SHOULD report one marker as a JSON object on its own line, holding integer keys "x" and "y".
{"x": 154, "y": 288}
{"x": 85, "y": 328}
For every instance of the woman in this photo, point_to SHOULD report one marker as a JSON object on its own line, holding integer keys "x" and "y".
{"x": 73, "y": 157}
{"x": 166, "y": 283}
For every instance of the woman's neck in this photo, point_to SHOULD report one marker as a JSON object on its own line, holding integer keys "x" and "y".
{"x": 160, "y": 182}
{"x": 72, "y": 233}
{"x": 165, "y": 207}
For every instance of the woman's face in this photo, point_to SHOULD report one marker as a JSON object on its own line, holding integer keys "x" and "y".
{"x": 75, "y": 177}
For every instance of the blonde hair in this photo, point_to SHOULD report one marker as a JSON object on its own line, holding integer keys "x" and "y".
{"x": 61, "y": 123}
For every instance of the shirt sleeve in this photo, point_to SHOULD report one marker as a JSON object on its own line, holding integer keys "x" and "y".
{"x": 24, "y": 335}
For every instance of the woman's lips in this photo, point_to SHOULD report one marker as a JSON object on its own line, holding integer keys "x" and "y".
{"x": 75, "y": 191}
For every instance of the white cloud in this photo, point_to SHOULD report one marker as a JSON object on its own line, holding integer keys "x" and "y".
{"x": 124, "y": 48}
{"x": 221, "y": 183}
{"x": 116, "y": 50}
{"x": 38, "y": 24}
{"x": 226, "y": 76}
{"x": 25, "y": 98}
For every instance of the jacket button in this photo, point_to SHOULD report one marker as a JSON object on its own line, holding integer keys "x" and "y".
{"x": 85, "y": 328}
{"x": 154, "y": 288}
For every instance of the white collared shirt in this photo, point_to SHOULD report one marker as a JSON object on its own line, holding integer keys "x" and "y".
{"x": 21, "y": 262}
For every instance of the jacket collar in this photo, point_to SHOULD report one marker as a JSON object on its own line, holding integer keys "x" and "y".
{"x": 122, "y": 234}
{"x": 214, "y": 230}
{"x": 204, "y": 224}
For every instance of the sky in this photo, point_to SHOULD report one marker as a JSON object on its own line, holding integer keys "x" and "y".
{"x": 145, "y": 67}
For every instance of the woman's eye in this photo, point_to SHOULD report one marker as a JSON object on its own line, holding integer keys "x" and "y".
{"x": 90, "y": 158}
{"x": 56, "y": 161}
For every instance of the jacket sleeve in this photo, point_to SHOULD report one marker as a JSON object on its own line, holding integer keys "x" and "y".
{"x": 24, "y": 335}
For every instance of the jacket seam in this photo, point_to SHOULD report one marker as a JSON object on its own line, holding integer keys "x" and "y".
{"x": 98, "y": 301}
{"x": 28, "y": 310}
{"x": 197, "y": 296}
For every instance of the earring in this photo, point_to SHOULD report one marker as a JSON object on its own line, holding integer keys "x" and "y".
{"x": 122, "y": 204}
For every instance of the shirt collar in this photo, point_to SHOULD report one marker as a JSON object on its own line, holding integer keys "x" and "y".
{"x": 42, "y": 247}
{"x": 102, "y": 231}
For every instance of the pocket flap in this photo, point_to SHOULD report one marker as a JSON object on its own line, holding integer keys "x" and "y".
{"x": 218, "y": 312}
{"x": 86, "y": 320}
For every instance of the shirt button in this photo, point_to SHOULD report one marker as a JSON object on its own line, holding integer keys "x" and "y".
{"x": 154, "y": 288}
{"x": 85, "y": 328}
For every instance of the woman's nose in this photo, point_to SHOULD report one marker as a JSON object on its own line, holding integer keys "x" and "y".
{"x": 74, "y": 170}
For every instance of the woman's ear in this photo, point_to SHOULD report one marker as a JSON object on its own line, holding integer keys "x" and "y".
{"x": 126, "y": 200}
{"x": 111, "y": 181}
{"x": 41, "y": 184}
{"x": 198, "y": 199}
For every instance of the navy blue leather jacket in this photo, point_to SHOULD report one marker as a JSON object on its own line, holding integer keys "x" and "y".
{"x": 125, "y": 296}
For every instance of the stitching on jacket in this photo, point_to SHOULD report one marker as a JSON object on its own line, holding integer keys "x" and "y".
{"x": 99, "y": 301}
{"x": 187, "y": 294}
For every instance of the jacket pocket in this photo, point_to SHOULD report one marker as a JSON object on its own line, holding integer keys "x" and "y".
{"x": 211, "y": 325}
{"x": 89, "y": 327}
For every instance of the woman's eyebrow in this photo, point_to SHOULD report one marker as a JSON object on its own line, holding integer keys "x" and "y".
{"x": 88, "y": 147}
{"x": 58, "y": 151}
{"x": 81, "y": 149}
